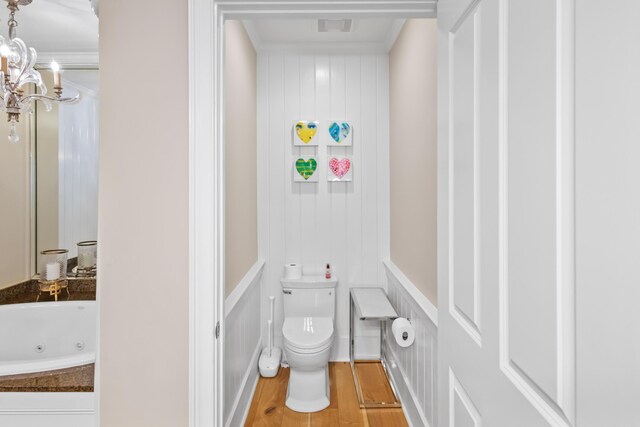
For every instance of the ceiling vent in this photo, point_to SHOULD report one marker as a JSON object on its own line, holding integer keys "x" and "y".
{"x": 334, "y": 25}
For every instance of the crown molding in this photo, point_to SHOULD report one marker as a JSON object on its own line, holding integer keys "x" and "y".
{"x": 69, "y": 59}
{"x": 324, "y": 47}
{"x": 252, "y": 32}
{"x": 394, "y": 33}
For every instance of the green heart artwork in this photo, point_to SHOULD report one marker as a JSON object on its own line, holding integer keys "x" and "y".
{"x": 306, "y": 168}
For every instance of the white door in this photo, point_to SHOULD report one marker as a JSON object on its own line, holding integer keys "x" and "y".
{"x": 506, "y": 213}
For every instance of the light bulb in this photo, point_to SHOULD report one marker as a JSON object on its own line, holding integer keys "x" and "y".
{"x": 14, "y": 138}
{"x": 55, "y": 67}
{"x": 5, "y": 51}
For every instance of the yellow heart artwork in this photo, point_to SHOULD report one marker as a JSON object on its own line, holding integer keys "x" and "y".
{"x": 306, "y": 131}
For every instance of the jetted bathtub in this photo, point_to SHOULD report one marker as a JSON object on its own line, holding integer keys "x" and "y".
{"x": 46, "y": 336}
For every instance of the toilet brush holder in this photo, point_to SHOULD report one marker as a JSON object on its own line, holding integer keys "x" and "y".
{"x": 269, "y": 364}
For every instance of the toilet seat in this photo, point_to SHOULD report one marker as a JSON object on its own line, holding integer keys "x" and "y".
{"x": 308, "y": 334}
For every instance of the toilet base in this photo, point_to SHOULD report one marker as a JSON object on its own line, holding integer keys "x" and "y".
{"x": 308, "y": 391}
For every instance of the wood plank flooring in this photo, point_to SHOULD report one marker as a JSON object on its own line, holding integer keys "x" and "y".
{"x": 268, "y": 409}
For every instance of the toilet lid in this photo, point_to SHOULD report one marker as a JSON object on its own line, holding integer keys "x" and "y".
{"x": 308, "y": 332}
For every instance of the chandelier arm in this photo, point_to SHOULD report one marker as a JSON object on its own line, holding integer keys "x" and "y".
{"x": 40, "y": 97}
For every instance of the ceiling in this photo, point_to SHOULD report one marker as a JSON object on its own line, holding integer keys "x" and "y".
{"x": 56, "y": 25}
{"x": 285, "y": 31}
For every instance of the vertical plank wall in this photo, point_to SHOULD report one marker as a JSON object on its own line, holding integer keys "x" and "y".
{"x": 414, "y": 368}
{"x": 242, "y": 345}
{"x": 345, "y": 224}
{"x": 78, "y": 170}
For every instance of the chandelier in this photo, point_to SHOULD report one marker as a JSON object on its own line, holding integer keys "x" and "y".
{"x": 17, "y": 64}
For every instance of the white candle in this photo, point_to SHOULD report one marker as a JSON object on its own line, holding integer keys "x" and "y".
{"x": 53, "y": 271}
{"x": 4, "y": 52}
{"x": 55, "y": 67}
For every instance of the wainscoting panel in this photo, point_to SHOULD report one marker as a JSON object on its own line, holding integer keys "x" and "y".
{"x": 242, "y": 345}
{"x": 342, "y": 223}
{"x": 413, "y": 368}
{"x": 47, "y": 409}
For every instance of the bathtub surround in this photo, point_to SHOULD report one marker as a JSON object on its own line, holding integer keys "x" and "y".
{"x": 243, "y": 344}
{"x": 414, "y": 368}
{"x": 412, "y": 153}
{"x": 241, "y": 235}
{"x": 345, "y": 224}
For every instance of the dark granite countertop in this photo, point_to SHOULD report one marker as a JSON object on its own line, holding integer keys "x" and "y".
{"x": 76, "y": 379}
{"x": 80, "y": 289}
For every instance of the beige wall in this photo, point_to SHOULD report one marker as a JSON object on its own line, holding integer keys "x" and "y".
{"x": 143, "y": 214}
{"x": 241, "y": 198}
{"x": 413, "y": 107}
{"x": 14, "y": 206}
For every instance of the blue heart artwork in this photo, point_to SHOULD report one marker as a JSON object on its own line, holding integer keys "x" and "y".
{"x": 340, "y": 131}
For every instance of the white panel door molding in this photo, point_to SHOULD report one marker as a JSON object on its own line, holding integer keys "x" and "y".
{"x": 506, "y": 213}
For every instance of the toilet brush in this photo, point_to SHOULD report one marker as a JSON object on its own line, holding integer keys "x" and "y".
{"x": 270, "y": 326}
{"x": 269, "y": 362}
{"x": 272, "y": 301}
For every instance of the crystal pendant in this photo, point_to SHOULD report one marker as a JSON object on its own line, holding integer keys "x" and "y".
{"x": 14, "y": 138}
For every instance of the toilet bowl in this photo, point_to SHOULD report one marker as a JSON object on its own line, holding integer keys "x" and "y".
{"x": 309, "y": 313}
{"x": 307, "y": 346}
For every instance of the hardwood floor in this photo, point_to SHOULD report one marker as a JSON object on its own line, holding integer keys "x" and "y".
{"x": 268, "y": 409}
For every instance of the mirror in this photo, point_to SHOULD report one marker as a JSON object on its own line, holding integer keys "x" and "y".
{"x": 66, "y": 166}
{"x": 48, "y": 179}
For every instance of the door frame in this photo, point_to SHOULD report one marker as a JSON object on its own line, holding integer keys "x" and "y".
{"x": 206, "y": 170}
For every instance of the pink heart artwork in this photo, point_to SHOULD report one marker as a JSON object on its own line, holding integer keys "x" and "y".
{"x": 339, "y": 167}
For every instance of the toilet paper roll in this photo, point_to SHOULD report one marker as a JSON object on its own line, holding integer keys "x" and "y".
{"x": 292, "y": 271}
{"x": 403, "y": 332}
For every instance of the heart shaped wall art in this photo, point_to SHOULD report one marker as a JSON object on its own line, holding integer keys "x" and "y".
{"x": 340, "y": 169}
{"x": 340, "y": 133}
{"x": 304, "y": 170}
{"x": 304, "y": 133}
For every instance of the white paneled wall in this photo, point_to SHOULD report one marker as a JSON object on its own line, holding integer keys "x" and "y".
{"x": 345, "y": 224}
{"x": 78, "y": 171}
{"x": 242, "y": 344}
{"x": 416, "y": 365}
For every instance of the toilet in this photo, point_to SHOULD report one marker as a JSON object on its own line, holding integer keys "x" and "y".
{"x": 309, "y": 315}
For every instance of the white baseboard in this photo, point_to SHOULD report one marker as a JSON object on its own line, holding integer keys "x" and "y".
{"x": 243, "y": 399}
{"x": 410, "y": 404}
{"x": 366, "y": 348}
{"x": 340, "y": 350}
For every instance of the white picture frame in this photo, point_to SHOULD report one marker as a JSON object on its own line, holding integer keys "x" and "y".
{"x": 303, "y": 169}
{"x": 339, "y": 169}
{"x": 306, "y": 133}
{"x": 338, "y": 133}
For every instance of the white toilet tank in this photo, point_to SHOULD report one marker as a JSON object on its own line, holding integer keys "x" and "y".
{"x": 309, "y": 296}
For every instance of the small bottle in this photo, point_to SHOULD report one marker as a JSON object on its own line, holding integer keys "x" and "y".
{"x": 327, "y": 274}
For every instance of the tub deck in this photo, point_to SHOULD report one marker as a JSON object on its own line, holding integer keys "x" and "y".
{"x": 80, "y": 289}
{"x": 75, "y": 379}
